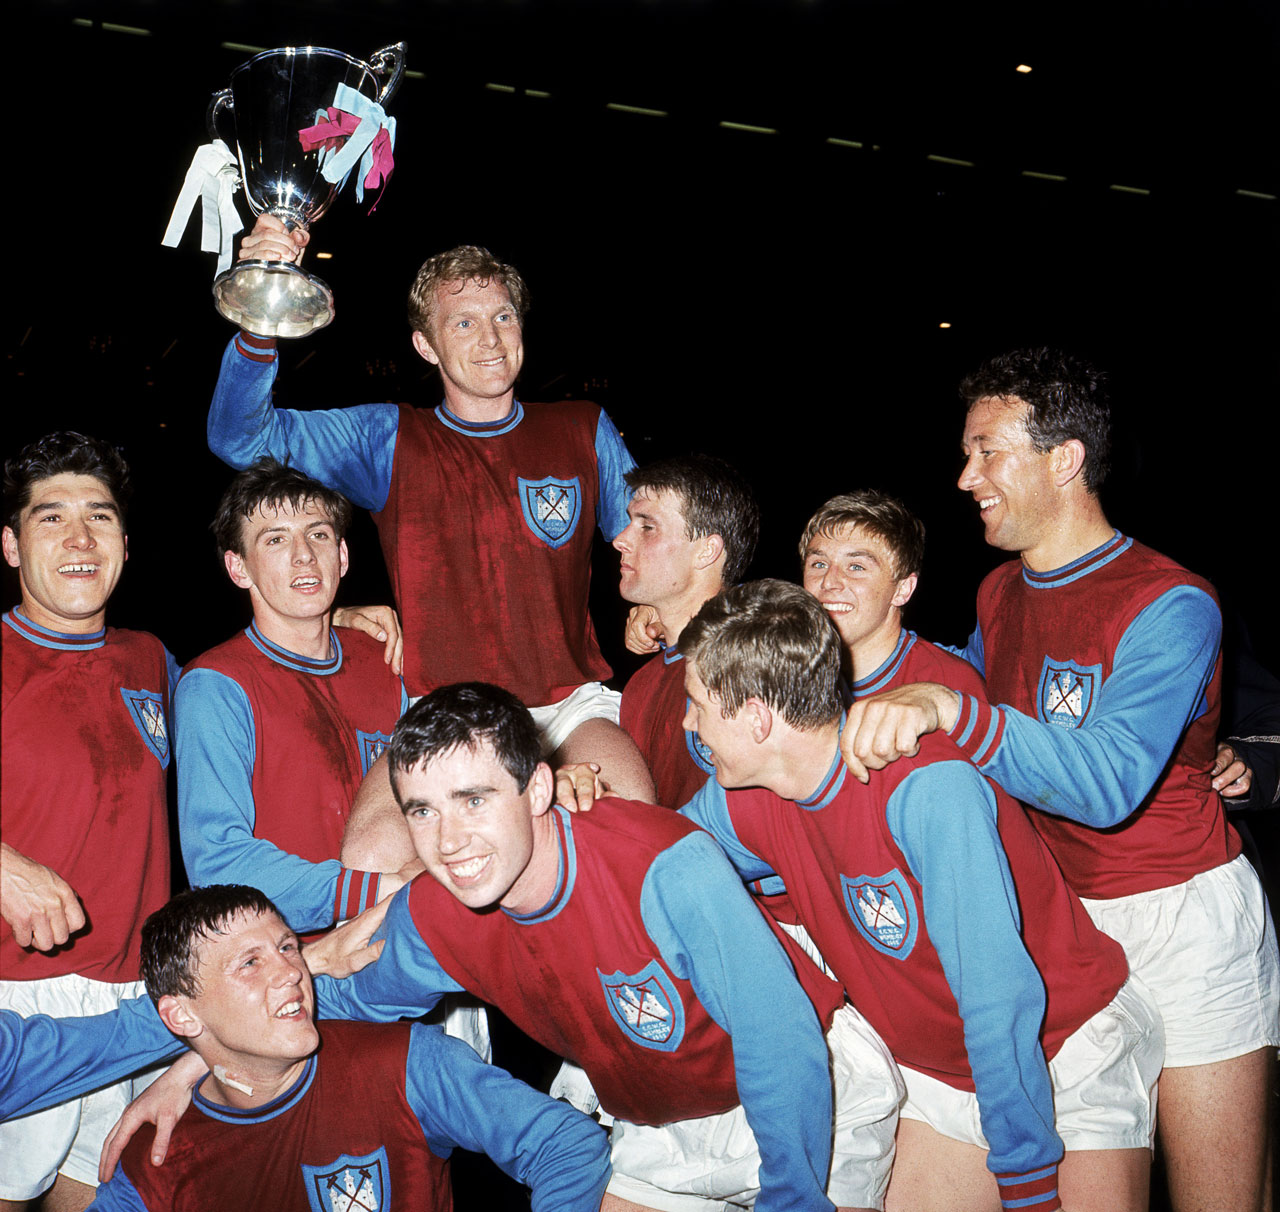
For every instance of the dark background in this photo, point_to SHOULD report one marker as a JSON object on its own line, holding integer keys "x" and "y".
{"x": 776, "y": 298}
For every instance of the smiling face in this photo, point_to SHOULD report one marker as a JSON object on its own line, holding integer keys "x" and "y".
{"x": 291, "y": 566}
{"x": 730, "y": 739}
{"x": 69, "y": 551}
{"x": 851, "y": 572}
{"x": 1012, "y": 483}
{"x": 475, "y": 830}
{"x": 475, "y": 340}
{"x": 255, "y": 1011}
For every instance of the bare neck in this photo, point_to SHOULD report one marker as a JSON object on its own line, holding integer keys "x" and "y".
{"x": 309, "y": 638}
{"x": 1079, "y": 527}
{"x": 865, "y": 656}
{"x": 478, "y": 410}
{"x": 801, "y": 759}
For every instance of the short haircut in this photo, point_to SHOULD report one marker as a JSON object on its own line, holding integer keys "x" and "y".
{"x": 270, "y": 483}
{"x": 769, "y": 640}
{"x": 463, "y": 264}
{"x": 171, "y": 936}
{"x": 466, "y": 714}
{"x": 1065, "y": 397}
{"x": 879, "y": 514}
{"x": 714, "y": 498}
{"x": 64, "y": 453}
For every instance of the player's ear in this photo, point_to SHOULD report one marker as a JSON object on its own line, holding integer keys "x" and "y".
{"x": 344, "y": 560}
{"x": 177, "y": 1014}
{"x": 424, "y": 348}
{"x": 906, "y": 587}
{"x": 234, "y": 564}
{"x": 760, "y": 718}
{"x": 542, "y": 789}
{"x": 710, "y": 551}
{"x": 10, "y": 542}
{"x": 1068, "y": 461}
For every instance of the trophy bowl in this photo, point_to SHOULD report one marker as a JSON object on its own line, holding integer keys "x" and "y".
{"x": 273, "y": 97}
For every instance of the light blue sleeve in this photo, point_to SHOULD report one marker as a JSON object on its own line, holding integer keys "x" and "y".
{"x": 973, "y": 652}
{"x": 405, "y": 981}
{"x": 349, "y": 449}
{"x": 214, "y": 744}
{"x": 613, "y": 461}
{"x": 118, "y": 1195}
{"x": 45, "y": 1061}
{"x": 174, "y": 671}
{"x": 709, "y": 809}
{"x": 554, "y": 1150}
{"x": 944, "y": 819}
{"x": 1100, "y": 774}
{"x": 711, "y": 934}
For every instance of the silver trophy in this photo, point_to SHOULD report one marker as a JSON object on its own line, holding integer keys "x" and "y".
{"x": 302, "y": 116}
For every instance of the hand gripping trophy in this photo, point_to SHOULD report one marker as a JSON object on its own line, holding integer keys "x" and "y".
{"x": 305, "y": 118}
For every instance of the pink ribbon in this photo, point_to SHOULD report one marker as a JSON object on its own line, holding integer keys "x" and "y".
{"x": 332, "y": 134}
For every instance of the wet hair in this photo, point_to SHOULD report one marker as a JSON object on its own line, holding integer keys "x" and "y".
{"x": 1065, "y": 398}
{"x": 467, "y": 715}
{"x": 879, "y": 514}
{"x": 270, "y": 484}
{"x": 769, "y": 640}
{"x": 714, "y": 498}
{"x": 171, "y": 936}
{"x": 461, "y": 265}
{"x": 64, "y": 453}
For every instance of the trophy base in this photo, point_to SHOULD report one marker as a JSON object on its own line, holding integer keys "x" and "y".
{"x": 273, "y": 299}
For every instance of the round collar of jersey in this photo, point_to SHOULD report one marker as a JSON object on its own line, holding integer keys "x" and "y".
{"x": 62, "y": 641}
{"x": 256, "y": 1115}
{"x": 1091, "y": 561}
{"x": 322, "y": 667}
{"x": 481, "y": 429}
{"x": 566, "y": 872}
{"x": 877, "y": 681}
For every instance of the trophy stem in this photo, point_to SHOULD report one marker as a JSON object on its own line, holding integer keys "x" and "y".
{"x": 273, "y": 299}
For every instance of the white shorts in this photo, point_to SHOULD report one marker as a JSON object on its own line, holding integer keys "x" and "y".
{"x": 1104, "y": 1082}
{"x": 594, "y": 701}
{"x": 712, "y": 1163}
{"x": 1206, "y": 950}
{"x": 68, "y": 1138}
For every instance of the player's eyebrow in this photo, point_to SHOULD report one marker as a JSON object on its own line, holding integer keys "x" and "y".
{"x": 42, "y": 506}
{"x": 465, "y": 793}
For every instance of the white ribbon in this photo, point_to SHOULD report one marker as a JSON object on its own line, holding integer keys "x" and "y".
{"x": 212, "y": 178}
{"x": 359, "y": 146}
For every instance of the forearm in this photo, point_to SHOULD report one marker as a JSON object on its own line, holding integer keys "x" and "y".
{"x": 376, "y": 837}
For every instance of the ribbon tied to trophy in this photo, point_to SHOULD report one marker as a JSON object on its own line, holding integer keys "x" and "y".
{"x": 212, "y": 180}
{"x": 353, "y": 128}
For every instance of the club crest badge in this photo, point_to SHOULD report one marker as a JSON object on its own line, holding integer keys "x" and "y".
{"x": 883, "y": 909}
{"x": 349, "y": 1184}
{"x": 147, "y": 711}
{"x": 552, "y": 508}
{"x": 1067, "y": 692}
{"x": 371, "y": 746}
{"x": 700, "y": 753}
{"x": 646, "y": 1006}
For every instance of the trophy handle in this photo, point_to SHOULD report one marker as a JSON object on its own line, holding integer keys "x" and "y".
{"x": 217, "y": 103}
{"x": 389, "y": 61}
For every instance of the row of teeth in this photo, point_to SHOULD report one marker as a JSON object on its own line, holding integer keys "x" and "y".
{"x": 305, "y": 582}
{"x": 987, "y": 502}
{"x": 289, "y": 1008}
{"x": 78, "y": 568}
{"x": 469, "y": 868}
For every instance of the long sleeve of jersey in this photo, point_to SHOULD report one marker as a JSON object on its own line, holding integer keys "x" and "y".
{"x": 404, "y": 982}
{"x": 613, "y": 461}
{"x": 710, "y": 934}
{"x": 349, "y": 449}
{"x": 943, "y": 818}
{"x": 119, "y": 1195}
{"x": 1100, "y": 774}
{"x": 214, "y": 744}
{"x": 45, "y": 1061}
{"x": 554, "y": 1150}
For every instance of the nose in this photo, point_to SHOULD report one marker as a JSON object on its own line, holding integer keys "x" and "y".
{"x": 969, "y": 477}
{"x": 689, "y": 724}
{"x": 621, "y": 542}
{"x": 288, "y": 970}
{"x": 453, "y": 836}
{"x": 302, "y": 553}
{"x": 831, "y": 577}
{"x": 79, "y": 534}
{"x": 490, "y": 335}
